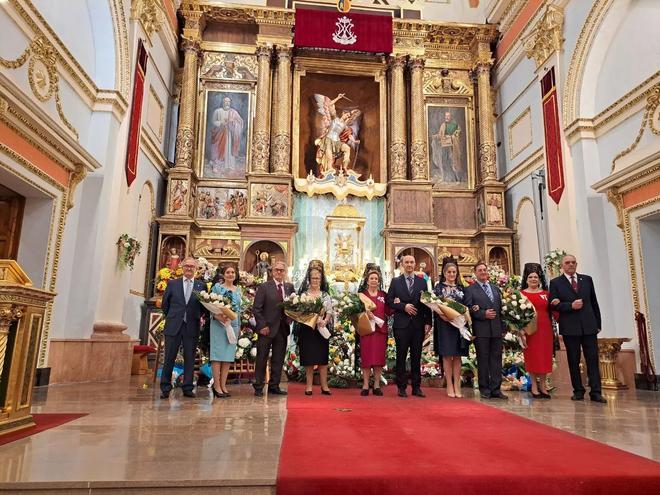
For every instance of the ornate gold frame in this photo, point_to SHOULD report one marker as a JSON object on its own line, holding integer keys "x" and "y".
{"x": 302, "y": 65}
{"x": 468, "y": 106}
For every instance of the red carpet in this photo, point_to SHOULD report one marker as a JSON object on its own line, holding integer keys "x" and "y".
{"x": 43, "y": 422}
{"x": 388, "y": 445}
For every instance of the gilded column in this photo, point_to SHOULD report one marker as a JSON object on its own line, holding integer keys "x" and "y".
{"x": 261, "y": 139}
{"x": 185, "y": 137}
{"x": 9, "y": 313}
{"x": 418, "y": 159}
{"x": 280, "y": 158}
{"x": 487, "y": 162}
{"x": 398, "y": 151}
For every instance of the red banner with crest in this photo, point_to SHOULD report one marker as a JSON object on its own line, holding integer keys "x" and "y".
{"x": 136, "y": 115}
{"x": 343, "y": 31}
{"x": 553, "y": 155}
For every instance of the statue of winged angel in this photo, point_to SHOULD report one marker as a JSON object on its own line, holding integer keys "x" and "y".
{"x": 337, "y": 134}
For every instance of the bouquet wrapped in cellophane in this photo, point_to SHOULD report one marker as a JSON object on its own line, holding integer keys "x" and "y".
{"x": 303, "y": 308}
{"x": 457, "y": 314}
{"x": 354, "y": 307}
{"x": 217, "y": 304}
{"x": 518, "y": 311}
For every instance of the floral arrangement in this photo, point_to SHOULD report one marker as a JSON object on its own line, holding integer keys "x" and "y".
{"x": 552, "y": 261}
{"x": 205, "y": 269}
{"x": 457, "y": 314}
{"x": 217, "y": 304}
{"x": 129, "y": 249}
{"x": 347, "y": 305}
{"x": 517, "y": 311}
{"x": 246, "y": 345}
{"x": 342, "y": 354}
{"x": 246, "y": 279}
{"x": 164, "y": 275}
{"x": 303, "y": 308}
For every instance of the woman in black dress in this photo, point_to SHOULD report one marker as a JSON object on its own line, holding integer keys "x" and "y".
{"x": 314, "y": 348}
{"x": 449, "y": 342}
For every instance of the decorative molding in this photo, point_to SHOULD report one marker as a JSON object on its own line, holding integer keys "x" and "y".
{"x": 150, "y": 15}
{"x": 525, "y": 113}
{"x": 546, "y": 37}
{"x": 510, "y": 14}
{"x": 229, "y": 66}
{"x": 154, "y": 99}
{"x": 447, "y": 82}
{"x": 523, "y": 170}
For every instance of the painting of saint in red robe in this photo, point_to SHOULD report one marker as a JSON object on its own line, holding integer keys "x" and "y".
{"x": 225, "y": 149}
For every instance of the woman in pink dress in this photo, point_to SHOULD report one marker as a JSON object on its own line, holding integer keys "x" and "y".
{"x": 373, "y": 346}
{"x": 538, "y": 346}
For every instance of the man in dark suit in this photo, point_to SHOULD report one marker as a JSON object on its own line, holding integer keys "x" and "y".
{"x": 573, "y": 295}
{"x": 273, "y": 328}
{"x": 412, "y": 320}
{"x": 182, "y": 312}
{"x": 485, "y": 302}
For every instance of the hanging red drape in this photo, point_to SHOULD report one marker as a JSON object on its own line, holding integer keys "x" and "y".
{"x": 553, "y": 155}
{"x": 136, "y": 114}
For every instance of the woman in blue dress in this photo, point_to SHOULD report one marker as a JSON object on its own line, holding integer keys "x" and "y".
{"x": 448, "y": 340}
{"x": 223, "y": 354}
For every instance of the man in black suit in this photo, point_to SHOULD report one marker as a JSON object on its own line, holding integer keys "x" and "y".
{"x": 182, "y": 312}
{"x": 412, "y": 320}
{"x": 573, "y": 295}
{"x": 273, "y": 328}
{"x": 485, "y": 302}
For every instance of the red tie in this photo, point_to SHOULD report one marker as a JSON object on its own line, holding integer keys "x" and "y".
{"x": 280, "y": 289}
{"x": 574, "y": 283}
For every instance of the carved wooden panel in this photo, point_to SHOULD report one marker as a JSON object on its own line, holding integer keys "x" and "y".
{"x": 454, "y": 213}
{"x": 244, "y": 34}
{"x": 411, "y": 207}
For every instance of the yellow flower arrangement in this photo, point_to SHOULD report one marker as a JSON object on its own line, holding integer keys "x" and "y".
{"x": 164, "y": 274}
{"x": 161, "y": 286}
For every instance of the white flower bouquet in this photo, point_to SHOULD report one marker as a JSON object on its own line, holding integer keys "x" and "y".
{"x": 518, "y": 312}
{"x": 217, "y": 304}
{"x": 303, "y": 308}
{"x": 456, "y": 313}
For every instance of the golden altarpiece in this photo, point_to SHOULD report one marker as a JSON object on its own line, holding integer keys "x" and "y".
{"x": 247, "y": 149}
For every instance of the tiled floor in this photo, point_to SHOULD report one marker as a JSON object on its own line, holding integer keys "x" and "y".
{"x": 131, "y": 437}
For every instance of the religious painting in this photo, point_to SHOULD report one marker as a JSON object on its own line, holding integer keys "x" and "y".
{"x": 270, "y": 200}
{"x": 227, "y": 134}
{"x": 178, "y": 192}
{"x": 221, "y": 203}
{"x": 448, "y": 145}
{"x": 339, "y": 131}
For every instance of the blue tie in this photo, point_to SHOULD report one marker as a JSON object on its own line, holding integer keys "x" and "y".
{"x": 410, "y": 284}
{"x": 488, "y": 292}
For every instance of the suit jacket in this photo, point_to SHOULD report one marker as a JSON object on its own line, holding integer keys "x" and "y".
{"x": 174, "y": 307}
{"x": 266, "y": 310}
{"x": 482, "y": 326}
{"x": 574, "y": 322}
{"x": 399, "y": 288}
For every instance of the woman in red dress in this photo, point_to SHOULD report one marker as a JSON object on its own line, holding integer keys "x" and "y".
{"x": 373, "y": 346}
{"x": 538, "y": 346}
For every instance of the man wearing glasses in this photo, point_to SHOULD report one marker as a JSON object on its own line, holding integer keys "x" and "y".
{"x": 573, "y": 295}
{"x": 182, "y": 311}
{"x": 273, "y": 328}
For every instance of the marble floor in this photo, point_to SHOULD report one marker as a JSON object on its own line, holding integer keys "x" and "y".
{"x": 134, "y": 442}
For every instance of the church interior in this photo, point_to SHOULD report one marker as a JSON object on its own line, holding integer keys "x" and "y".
{"x": 137, "y": 134}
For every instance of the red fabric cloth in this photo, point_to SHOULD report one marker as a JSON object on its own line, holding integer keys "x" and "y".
{"x": 42, "y": 422}
{"x": 538, "y": 355}
{"x": 352, "y": 445}
{"x": 316, "y": 28}
{"x": 373, "y": 347}
{"x": 136, "y": 115}
{"x": 143, "y": 349}
{"x": 553, "y": 153}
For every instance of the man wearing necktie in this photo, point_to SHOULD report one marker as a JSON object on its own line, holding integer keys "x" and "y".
{"x": 485, "y": 303}
{"x": 573, "y": 295}
{"x": 273, "y": 329}
{"x": 412, "y": 321}
{"x": 182, "y": 311}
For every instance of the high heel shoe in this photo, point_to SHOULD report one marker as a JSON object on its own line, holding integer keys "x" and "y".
{"x": 216, "y": 393}
{"x": 326, "y": 392}
{"x": 537, "y": 396}
{"x": 226, "y": 394}
{"x": 308, "y": 392}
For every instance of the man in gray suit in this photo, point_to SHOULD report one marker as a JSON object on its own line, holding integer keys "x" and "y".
{"x": 273, "y": 328}
{"x": 182, "y": 312}
{"x": 485, "y": 303}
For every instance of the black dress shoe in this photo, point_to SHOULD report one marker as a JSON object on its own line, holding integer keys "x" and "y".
{"x": 277, "y": 391}
{"x": 217, "y": 394}
{"x": 190, "y": 394}
{"x": 402, "y": 392}
{"x": 258, "y": 393}
{"x": 164, "y": 395}
{"x": 599, "y": 398}
{"x": 378, "y": 392}
{"x": 498, "y": 395}
{"x": 365, "y": 392}
{"x": 326, "y": 392}
{"x": 545, "y": 395}
{"x": 418, "y": 393}
{"x": 308, "y": 392}
{"x": 484, "y": 395}
{"x": 577, "y": 397}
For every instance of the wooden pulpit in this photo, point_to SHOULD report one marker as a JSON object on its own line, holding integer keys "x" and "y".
{"x": 22, "y": 310}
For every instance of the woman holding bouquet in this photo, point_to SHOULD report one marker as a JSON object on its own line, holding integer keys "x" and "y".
{"x": 223, "y": 354}
{"x": 314, "y": 348}
{"x": 374, "y": 346}
{"x": 538, "y": 346}
{"x": 449, "y": 342}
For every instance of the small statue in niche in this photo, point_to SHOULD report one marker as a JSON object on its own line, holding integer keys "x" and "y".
{"x": 494, "y": 209}
{"x": 262, "y": 268}
{"x": 173, "y": 259}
